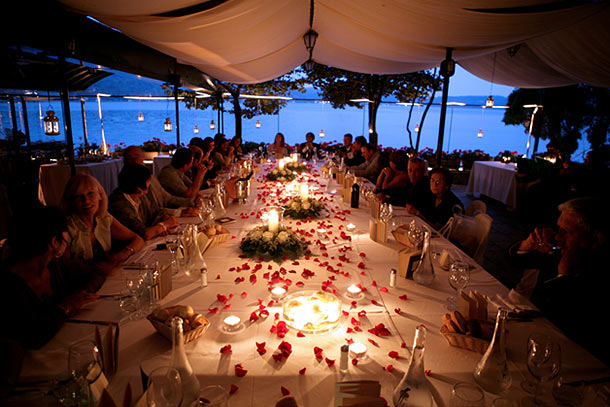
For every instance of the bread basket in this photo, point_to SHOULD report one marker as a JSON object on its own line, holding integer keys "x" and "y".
{"x": 401, "y": 234}
{"x": 466, "y": 342}
{"x": 166, "y": 331}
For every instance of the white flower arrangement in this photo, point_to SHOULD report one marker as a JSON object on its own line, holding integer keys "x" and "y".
{"x": 281, "y": 175}
{"x": 298, "y": 208}
{"x": 297, "y": 167}
{"x": 261, "y": 242}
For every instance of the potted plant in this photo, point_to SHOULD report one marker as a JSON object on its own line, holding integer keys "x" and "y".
{"x": 152, "y": 148}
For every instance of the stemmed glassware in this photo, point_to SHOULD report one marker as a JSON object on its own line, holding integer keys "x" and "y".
{"x": 136, "y": 285}
{"x": 385, "y": 212}
{"x": 459, "y": 277}
{"x": 543, "y": 362}
{"x": 206, "y": 211}
{"x": 84, "y": 366}
{"x": 164, "y": 388}
{"x": 467, "y": 395}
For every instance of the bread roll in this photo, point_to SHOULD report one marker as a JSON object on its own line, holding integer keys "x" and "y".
{"x": 459, "y": 320}
{"x": 211, "y": 231}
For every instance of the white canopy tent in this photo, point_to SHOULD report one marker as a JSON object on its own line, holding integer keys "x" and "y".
{"x": 537, "y": 43}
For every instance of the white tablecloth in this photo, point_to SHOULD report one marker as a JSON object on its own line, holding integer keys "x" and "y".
{"x": 52, "y": 178}
{"x": 159, "y": 162}
{"x": 142, "y": 347}
{"x": 495, "y": 180}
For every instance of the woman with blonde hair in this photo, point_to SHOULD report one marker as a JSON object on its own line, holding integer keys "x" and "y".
{"x": 91, "y": 228}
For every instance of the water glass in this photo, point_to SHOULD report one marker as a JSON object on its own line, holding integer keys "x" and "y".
{"x": 164, "y": 388}
{"x": 84, "y": 360}
{"x": 467, "y": 395}
{"x": 213, "y": 396}
{"x": 136, "y": 285}
{"x": 544, "y": 363}
{"x": 459, "y": 277}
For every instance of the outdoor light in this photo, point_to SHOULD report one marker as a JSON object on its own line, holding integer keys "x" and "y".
{"x": 480, "y": 133}
{"x": 196, "y": 129}
{"x": 140, "y": 117}
{"x": 167, "y": 126}
{"x": 309, "y": 39}
{"x": 258, "y": 124}
{"x": 322, "y": 133}
{"x": 51, "y": 124}
{"x": 212, "y": 125}
{"x": 489, "y": 102}
{"x": 417, "y": 128}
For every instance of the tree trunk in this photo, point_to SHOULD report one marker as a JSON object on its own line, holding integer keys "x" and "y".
{"x": 237, "y": 113}
{"x": 423, "y": 117}
{"x": 373, "y": 107}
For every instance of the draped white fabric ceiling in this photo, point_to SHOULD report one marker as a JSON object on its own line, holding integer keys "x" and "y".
{"x": 551, "y": 42}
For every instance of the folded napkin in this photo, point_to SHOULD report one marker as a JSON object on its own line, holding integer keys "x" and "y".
{"x": 108, "y": 347}
{"x": 514, "y": 302}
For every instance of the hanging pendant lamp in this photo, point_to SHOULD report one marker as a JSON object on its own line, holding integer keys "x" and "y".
{"x": 167, "y": 125}
{"x": 212, "y": 125}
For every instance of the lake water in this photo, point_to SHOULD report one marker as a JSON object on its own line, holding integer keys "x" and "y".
{"x": 120, "y": 124}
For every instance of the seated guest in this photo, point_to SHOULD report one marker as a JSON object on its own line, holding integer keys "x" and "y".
{"x": 309, "y": 149}
{"x": 128, "y": 203}
{"x": 279, "y": 148}
{"x": 441, "y": 203}
{"x": 356, "y": 156}
{"x": 371, "y": 167}
{"x": 174, "y": 179}
{"x": 346, "y": 149}
{"x": 418, "y": 189}
{"x": 91, "y": 229}
{"x": 393, "y": 180}
{"x": 237, "y": 147}
{"x": 156, "y": 193}
{"x": 570, "y": 291}
{"x": 38, "y": 294}
{"x": 222, "y": 156}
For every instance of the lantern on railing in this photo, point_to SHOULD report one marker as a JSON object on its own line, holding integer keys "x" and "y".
{"x": 167, "y": 126}
{"x": 51, "y": 124}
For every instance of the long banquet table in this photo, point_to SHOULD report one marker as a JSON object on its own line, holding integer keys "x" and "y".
{"x": 141, "y": 348}
{"x": 494, "y": 179}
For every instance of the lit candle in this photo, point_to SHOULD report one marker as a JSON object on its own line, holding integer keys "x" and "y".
{"x": 321, "y": 233}
{"x": 274, "y": 221}
{"x": 295, "y": 157}
{"x": 304, "y": 192}
{"x": 231, "y": 322}
{"x": 358, "y": 350}
{"x": 277, "y": 293}
{"x": 280, "y": 164}
{"x": 351, "y": 227}
{"x": 353, "y": 291}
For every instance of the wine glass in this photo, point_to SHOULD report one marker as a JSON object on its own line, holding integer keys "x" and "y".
{"x": 173, "y": 242}
{"x": 84, "y": 360}
{"x": 164, "y": 388}
{"x": 467, "y": 395}
{"x": 544, "y": 363}
{"x": 459, "y": 277}
{"x": 136, "y": 284}
{"x": 213, "y": 396}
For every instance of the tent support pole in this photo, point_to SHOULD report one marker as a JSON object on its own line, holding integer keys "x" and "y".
{"x": 176, "y": 85}
{"x": 65, "y": 100}
{"x": 447, "y": 70}
{"x": 85, "y": 137}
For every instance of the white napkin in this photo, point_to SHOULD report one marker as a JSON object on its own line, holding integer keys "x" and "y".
{"x": 514, "y": 302}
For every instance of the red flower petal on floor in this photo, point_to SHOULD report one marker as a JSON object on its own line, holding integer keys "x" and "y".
{"x": 302, "y": 371}
{"x": 244, "y": 294}
{"x": 374, "y": 302}
{"x": 354, "y": 361}
{"x": 394, "y": 355}
{"x": 218, "y": 277}
{"x": 349, "y": 330}
{"x": 253, "y": 278}
{"x": 361, "y": 265}
{"x": 383, "y": 290}
{"x": 330, "y": 362}
{"x": 403, "y": 297}
{"x": 284, "y": 391}
{"x": 263, "y": 313}
{"x": 374, "y": 283}
{"x": 389, "y": 368}
{"x": 349, "y": 341}
{"x": 318, "y": 352}
{"x": 354, "y": 303}
{"x": 226, "y": 350}
{"x": 397, "y": 310}
{"x": 233, "y": 389}
{"x": 379, "y": 330}
{"x": 240, "y": 371}
{"x": 300, "y": 334}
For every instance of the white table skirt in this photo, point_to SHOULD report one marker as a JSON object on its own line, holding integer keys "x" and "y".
{"x": 142, "y": 347}
{"x": 160, "y": 162}
{"x": 52, "y": 178}
{"x": 495, "y": 180}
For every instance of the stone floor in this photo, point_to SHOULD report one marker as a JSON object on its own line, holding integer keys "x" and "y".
{"x": 507, "y": 228}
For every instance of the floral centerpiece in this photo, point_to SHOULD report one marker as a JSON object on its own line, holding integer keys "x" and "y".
{"x": 507, "y": 156}
{"x": 280, "y": 175}
{"x": 261, "y": 242}
{"x": 298, "y": 208}
{"x": 296, "y": 166}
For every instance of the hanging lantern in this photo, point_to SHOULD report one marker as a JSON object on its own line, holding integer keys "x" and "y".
{"x": 51, "y": 124}
{"x": 322, "y": 133}
{"x": 196, "y": 129}
{"x": 167, "y": 126}
{"x": 212, "y": 125}
{"x": 489, "y": 102}
{"x": 258, "y": 124}
{"x": 309, "y": 39}
{"x": 480, "y": 133}
{"x": 140, "y": 117}
{"x": 416, "y": 128}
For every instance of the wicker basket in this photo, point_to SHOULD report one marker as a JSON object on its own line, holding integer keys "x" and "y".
{"x": 466, "y": 342}
{"x": 189, "y": 335}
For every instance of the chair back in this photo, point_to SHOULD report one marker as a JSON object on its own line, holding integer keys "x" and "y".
{"x": 476, "y": 207}
{"x": 471, "y": 234}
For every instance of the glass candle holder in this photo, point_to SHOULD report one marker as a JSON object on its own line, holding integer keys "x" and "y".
{"x": 278, "y": 293}
{"x": 358, "y": 350}
{"x": 272, "y": 219}
{"x": 231, "y": 323}
{"x": 353, "y": 291}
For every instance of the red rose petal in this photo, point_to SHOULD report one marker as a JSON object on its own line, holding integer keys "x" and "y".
{"x": 393, "y": 354}
{"x": 302, "y": 371}
{"x": 383, "y": 290}
{"x": 226, "y": 350}
{"x": 427, "y": 372}
{"x": 397, "y": 310}
{"x": 403, "y": 297}
{"x": 403, "y": 345}
{"x": 244, "y": 294}
{"x": 373, "y": 342}
{"x": 233, "y": 389}
{"x": 362, "y": 313}
{"x": 300, "y": 334}
{"x": 362, "y": 255}
{"x": 361, "y": 265}
{"x": 330, "y": 362}
{"x": 240, "y": 371}
{"x": 284, "y": 391}
{"x": 213, "y": 310}
{"x": 345, "y": 313}
{"x": 253, "y": 317}
{"x": 389, "y": 368}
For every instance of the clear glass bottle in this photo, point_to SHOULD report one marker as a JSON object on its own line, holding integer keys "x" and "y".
{"x": 194, "y": 262}
{"x": 492, "y": 372}
{"x": 179, "y": 361}
{"x": 424, "y": 273}
{"x": 414, "y": 389}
